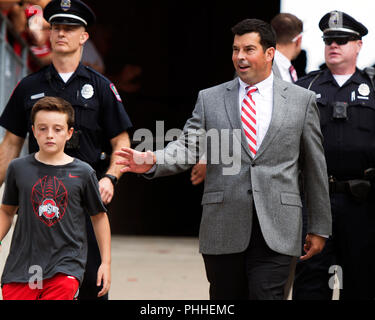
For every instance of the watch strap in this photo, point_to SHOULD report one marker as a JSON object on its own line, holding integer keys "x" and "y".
{"x": 112, "y": 178}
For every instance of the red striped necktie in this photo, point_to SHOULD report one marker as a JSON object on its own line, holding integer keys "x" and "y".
{"x": 248, "y": 118}
{"x": 293, "y": 73}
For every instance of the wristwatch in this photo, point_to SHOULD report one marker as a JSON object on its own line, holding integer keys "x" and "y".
{"x": 112, "y": 178}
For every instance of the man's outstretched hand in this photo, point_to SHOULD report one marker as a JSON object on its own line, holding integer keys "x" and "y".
{"x": 135, "y": 161}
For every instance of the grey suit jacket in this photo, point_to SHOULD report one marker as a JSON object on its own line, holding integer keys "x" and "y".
{"x": 276, "y": 70}
{"x": 293, "y": 144}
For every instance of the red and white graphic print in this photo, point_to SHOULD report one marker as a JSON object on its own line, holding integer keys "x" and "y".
{"x": 49, "y": 199}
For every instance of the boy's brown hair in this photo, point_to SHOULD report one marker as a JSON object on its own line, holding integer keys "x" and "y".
{"x": 54, "y": 104}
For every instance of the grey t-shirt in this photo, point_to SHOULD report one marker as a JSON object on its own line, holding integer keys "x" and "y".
{"x": 50, "y": 232}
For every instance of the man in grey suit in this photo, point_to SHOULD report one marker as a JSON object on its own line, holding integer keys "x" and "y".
{"x": 288, "y": 30}
{"x": 252, "y": 221}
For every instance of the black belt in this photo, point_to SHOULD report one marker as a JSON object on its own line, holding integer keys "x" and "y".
{"x": 358, "y": 188}
{"x": 339, "y": 187}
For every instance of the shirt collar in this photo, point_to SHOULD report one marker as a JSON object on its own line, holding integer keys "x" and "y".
{"x": 327, "y": 76}
{"x": 282, "y": 61}
{"x": 80, "y": 71}
{"x": 262, "y": 86}
{"x": 357, "y": 77}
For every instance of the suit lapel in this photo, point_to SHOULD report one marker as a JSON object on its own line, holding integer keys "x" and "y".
{"x": 233, "y": 111}
{"x": 278, "y": 115}
{"x": 276, "y": 70}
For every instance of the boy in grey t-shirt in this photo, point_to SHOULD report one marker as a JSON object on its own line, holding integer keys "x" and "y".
{"x": 52, "y": 192}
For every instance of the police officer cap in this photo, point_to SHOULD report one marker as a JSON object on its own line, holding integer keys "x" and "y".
{"x": 339, "y": 24}
{"x": 71, "y": 12}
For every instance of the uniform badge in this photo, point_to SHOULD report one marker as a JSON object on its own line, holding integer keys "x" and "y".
{"x": 65, "y": 5}
{"x": 87, "y": 91}
{"x": 114, "y": 90}
{"x": 364, "y": 89}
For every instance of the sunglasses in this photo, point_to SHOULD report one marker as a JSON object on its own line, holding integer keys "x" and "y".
{"x": 339, "y": 41}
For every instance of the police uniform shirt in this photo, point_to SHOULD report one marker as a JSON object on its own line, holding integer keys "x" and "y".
{"x": 99, "y": 112}
{"x": 349, "y": 143}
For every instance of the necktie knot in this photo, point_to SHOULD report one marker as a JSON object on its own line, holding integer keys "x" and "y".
{"x": 250, "y": 90}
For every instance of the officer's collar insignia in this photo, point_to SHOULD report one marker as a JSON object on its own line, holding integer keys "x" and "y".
{"x": 65, "y": 5}
{"x": 364, "y": 89}
{"x": 335, "y": 20}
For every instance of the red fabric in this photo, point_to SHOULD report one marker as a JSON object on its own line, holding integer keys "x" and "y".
{"x": 31, "y": 10}
{"x": 42, "y": 50}
{"x": 248, "y": 117}
{"x": 293, "y": 73}
{"x": 59, "y": 287}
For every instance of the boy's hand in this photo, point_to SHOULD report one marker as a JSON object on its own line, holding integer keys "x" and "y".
{"x": 106, "y": 190}
{"x": 104, "y": 277}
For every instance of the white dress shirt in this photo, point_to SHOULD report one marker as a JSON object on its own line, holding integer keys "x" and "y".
{"x": 263, "y": 99}
{"x": 283, "y": 64}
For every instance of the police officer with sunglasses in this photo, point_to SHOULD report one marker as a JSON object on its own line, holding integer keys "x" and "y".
{"x": 346, "y": 100}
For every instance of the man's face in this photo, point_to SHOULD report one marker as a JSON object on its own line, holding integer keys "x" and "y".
{"x": 51, "y": 131}
{"x": 67, "y": 38}
{"x": 342, "y": 55}
{"x": 252, "y": 64}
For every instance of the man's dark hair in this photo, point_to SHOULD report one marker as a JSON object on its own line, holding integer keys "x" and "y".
{"x": 54, "y": 104}
{"x": 266, "y": 33}
{"x": 287, "y": 26}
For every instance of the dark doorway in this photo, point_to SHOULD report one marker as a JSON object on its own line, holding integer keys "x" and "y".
{"x": 160, "y": 56}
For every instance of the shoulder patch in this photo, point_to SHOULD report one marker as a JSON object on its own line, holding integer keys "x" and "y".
{"x": 115, "y": 92}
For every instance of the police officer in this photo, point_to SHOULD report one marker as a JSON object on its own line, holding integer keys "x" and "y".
{"x": 101, "y": 121}
{"x": 346, "y": 100}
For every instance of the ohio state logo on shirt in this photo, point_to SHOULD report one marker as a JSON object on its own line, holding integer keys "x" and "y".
{"x": 49, "y": 200}
{"x": 48, "y": 209}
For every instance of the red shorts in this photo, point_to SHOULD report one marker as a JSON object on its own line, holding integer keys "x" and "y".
{"x": 59, "y": 287}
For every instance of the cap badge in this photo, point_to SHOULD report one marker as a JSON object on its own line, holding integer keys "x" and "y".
{"x": 335, "y": 20}
{"x": 87, "y": 91}
{"x": 364, "y": 89}
{"x": 65, "y": 5}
